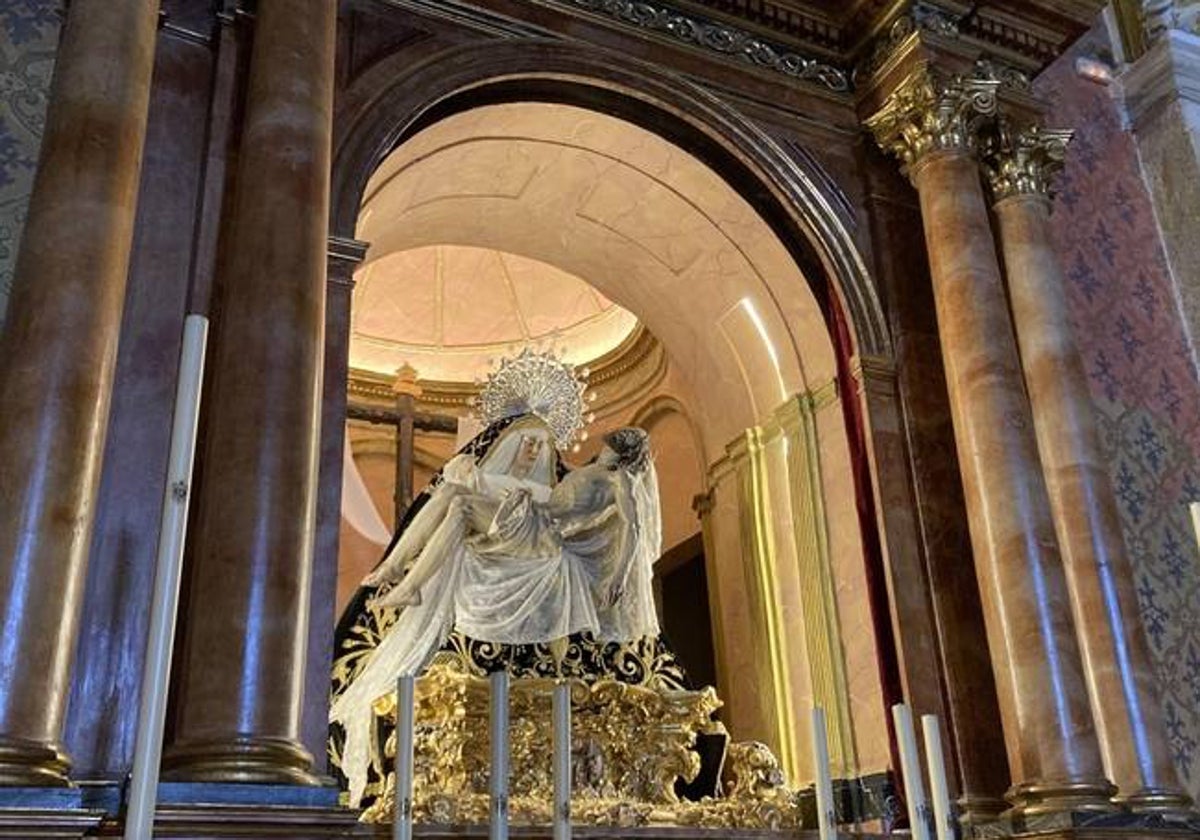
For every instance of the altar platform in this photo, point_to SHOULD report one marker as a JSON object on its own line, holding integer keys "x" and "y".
{"x": 203, "y": 826}
{"x": 227, "y": 822}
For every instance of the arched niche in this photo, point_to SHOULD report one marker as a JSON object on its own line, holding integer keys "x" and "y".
{"x": 761, "y": 314}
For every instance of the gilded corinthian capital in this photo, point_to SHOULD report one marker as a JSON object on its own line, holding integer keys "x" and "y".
{"x": 930, "y": 112}
{"x": 1025, "y": 161}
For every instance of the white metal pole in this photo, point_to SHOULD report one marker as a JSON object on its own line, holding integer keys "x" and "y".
{"x": 498, "y": 825}
{"x": 910, "y": 764}
{"x": 562, "y": 761}
{"x": 823, "y": 784}
{"x": 402, "y": 826}
{"x": 143, "y": 788}
{"x": 943, "y": 816}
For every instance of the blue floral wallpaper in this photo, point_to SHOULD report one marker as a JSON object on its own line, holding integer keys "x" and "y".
{"x": 1141, "y": 375}
{"x": 28, "y": 40}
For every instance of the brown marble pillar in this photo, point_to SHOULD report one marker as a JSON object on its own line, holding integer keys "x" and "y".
{"x": 1116, "y": 657}
{"x": 241, "y": 688}
{"x": 1050, "y": 737}
{"x": 974, "y": 743}
{"x": 56, "y": 365}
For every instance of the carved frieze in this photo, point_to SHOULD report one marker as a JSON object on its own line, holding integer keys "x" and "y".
{"x": 809, "y": 41}
{"x": 663, "y": 20}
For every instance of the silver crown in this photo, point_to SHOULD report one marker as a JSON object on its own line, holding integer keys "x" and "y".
{"x": 540, "y": 383}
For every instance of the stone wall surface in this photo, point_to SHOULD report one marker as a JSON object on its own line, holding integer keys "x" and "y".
{"x": 1132, "y": 337}
{"x": 28, "y": 41}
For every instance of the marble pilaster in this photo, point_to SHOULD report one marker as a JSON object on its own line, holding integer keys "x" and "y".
{"x": 245, "y": 633}
{"x": 912, "y": 615}
{"x": 57, "y": 361}
{"x": 345, "y": 255}
{"x": 1116, "y": 657}
{"x": 928, "y": 122}
{"x": 1161, "y": 90}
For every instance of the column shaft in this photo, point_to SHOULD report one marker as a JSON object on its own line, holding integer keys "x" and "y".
{"x": 1116, "y": 657}
{"x": 245, "y": 636}
{"x": 1049, "y": 733}
{"x": 56, "y": 365}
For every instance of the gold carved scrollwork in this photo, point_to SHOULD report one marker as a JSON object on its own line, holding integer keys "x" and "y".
{"x": 931, "y": 112}
{"x": 1024, "y": 161}
{"x": 629, "y": 745}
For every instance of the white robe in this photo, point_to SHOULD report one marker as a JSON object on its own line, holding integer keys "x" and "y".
{"x": 552, "y": 563}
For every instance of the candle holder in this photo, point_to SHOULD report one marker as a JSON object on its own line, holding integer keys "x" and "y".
{"x": 629, "y": 745}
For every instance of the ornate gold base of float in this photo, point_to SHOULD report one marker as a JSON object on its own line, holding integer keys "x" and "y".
{"x": 630, "y": 744}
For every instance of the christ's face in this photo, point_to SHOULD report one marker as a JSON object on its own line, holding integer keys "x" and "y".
{"x": 607, "y": 456}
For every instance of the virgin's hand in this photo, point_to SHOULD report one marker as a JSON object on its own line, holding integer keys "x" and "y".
{"x": 400, "y": 596}
{"x": 377, "y": 577}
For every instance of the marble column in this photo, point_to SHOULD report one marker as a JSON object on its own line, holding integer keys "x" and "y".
{"x": 1116, "y": 656}
{"x": 56, "y": 365}
{"x": 973, "y": 740}
{"x": 242, "y": 669}
{"x": 1050, "y": 737}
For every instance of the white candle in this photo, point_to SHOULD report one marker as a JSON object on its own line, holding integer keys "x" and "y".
{"x": 823, "y": 784}
{"x": 143, "y": 787}
{"x": 943, "y": 817}
{"x": 910, "y": 765}
{"x": 498, "y": 826}
{"x": 1194, "y": 507}
{"x": 402, "y": 827}
{"x": 562, "y": 761}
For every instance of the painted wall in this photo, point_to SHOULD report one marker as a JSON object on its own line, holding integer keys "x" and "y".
{"x": 28, "y": 40}
{"x": 1143, "y": 381}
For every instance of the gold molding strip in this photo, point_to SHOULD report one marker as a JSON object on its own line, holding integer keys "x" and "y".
{"x": 822, "y": 630}
{"x": 758, "y": 546}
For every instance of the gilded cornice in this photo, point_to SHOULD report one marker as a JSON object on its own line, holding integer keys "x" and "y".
{"x": 793, "y": 21}
{"x": 835, "y": 47}
{"x": 1025, "y": 161}
{"x": 932, "y": 112}
{"x": 917, "y": 21}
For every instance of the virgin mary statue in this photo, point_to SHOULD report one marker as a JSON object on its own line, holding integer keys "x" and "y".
{"x": 506, "y": 547}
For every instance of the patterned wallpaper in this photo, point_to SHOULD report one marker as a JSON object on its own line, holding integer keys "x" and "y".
{"x": 1142, "y": 378}
{"x": 28, "y": 39}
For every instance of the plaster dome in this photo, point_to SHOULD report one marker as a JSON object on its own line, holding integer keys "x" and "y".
{"x": 448, "y": 310}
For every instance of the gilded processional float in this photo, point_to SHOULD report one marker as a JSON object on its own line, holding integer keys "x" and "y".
{"x": 511, "y": 562}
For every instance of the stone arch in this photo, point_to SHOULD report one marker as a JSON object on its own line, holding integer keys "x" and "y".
{"x": 780, "y": 189}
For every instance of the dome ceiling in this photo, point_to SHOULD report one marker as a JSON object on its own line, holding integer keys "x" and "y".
{"x": 447, "y": 310}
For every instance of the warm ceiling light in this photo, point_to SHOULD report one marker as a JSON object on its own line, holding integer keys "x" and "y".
{"x": 1094, "y": 70}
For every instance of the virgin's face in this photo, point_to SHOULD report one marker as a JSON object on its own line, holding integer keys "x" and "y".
{"x": 528, "y": 451}
{"x": 607, "y": 456}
